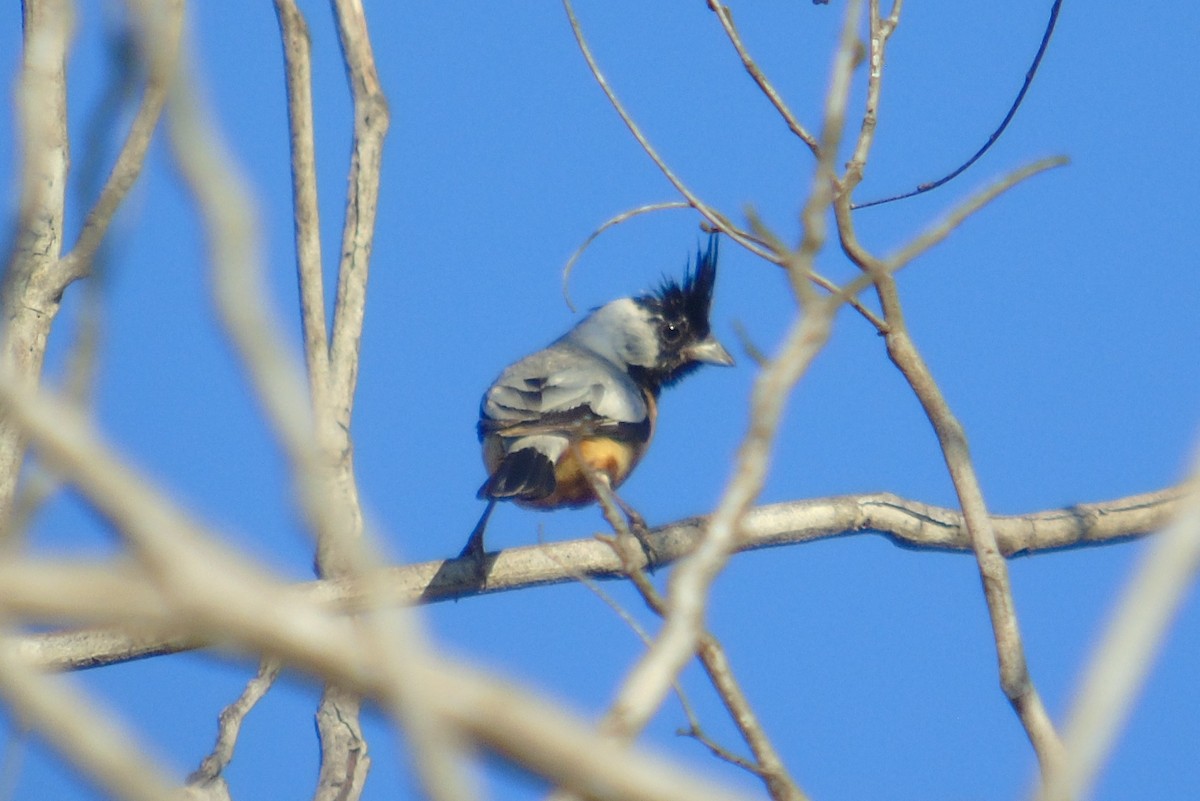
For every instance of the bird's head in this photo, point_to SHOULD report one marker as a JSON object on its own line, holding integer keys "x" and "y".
{"x": 661, "y": 336}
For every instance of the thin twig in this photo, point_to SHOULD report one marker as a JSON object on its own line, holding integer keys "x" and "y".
{"x": 229, "y": 724}
{"x": 1012, "y": 111}
{"x": 941, "y": 230}
{"x": 630, "y": 550}
{"x": 715, "y": 218}
{"x": 881, "y": 32}
{"x": 128, "y": 167}
{"x": 636, "y": 627}
{"x": 725, "y": 16}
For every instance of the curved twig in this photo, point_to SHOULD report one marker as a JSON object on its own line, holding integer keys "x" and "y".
{"x": 1012, "y": 111}
{"x": 569, "y": 267}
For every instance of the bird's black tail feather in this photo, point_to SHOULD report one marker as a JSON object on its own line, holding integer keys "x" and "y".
{"x": 527, "y": 474}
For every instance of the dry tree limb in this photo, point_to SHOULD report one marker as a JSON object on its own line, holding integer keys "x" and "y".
{"x": 881, "y": 31}
{"x": 77, "y": 264}
{"x": 370, "y": 126}
{"x": 319, "y": 453}
{"x": 1123, "y": 658}
{"x": 132, "y": 157}
{"x": 342, "y": 550}
{"x": 694, "y": 729}
{"x": 345, "y": 760}
{"x": 93, "y": 739}
{"x": 943, "y": 228}
{"x": 1015, "y": 680}
{"x": 35, "y": 281}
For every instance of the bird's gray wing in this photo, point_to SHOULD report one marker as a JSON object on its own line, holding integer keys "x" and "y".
{"x": 559, "y": 388}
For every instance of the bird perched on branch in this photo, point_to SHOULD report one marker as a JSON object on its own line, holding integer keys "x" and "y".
{"x": 592, "y": 395}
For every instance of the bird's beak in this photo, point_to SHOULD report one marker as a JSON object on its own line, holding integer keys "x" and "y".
{"x": 710, "y": 351}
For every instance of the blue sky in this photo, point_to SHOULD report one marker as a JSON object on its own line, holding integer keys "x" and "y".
{"x": 1061, "y": 323}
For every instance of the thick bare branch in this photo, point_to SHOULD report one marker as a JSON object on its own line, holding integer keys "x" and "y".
{"x": 371, "y": 120}
{"x": 33, "y": 286}
{"x": 49, "y": 591}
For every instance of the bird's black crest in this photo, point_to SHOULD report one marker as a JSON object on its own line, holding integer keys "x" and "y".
{"x": 693, "y": 299}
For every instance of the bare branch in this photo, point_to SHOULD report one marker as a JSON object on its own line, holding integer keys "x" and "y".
{"x": 725, "y": 15}
{"x": 128, "y": 166}
{"x": 32, "y": 288}
{"x": 371, "y": 122}
{"x": 881, "y": 32}
{"x": 1015, "y": 680}
{"x": 630, "y": 549}
{"x": 229, "y": 725}
{"x": 209, "y": 595}
{"x": 715, "y": 218}
{"x": 297, "y": 56}
{"x": 939, "y": 232}
{"x": 646, "y": 685}
{"x": 41, "y": 591}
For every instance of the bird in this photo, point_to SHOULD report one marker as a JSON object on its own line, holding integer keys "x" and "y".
{"x": 592, "y": 394}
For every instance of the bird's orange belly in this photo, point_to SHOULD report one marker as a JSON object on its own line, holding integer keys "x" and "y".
{"x": 607, "y": 457}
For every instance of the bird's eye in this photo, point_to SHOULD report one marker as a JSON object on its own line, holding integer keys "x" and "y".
{"x": 671, "y": 332}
